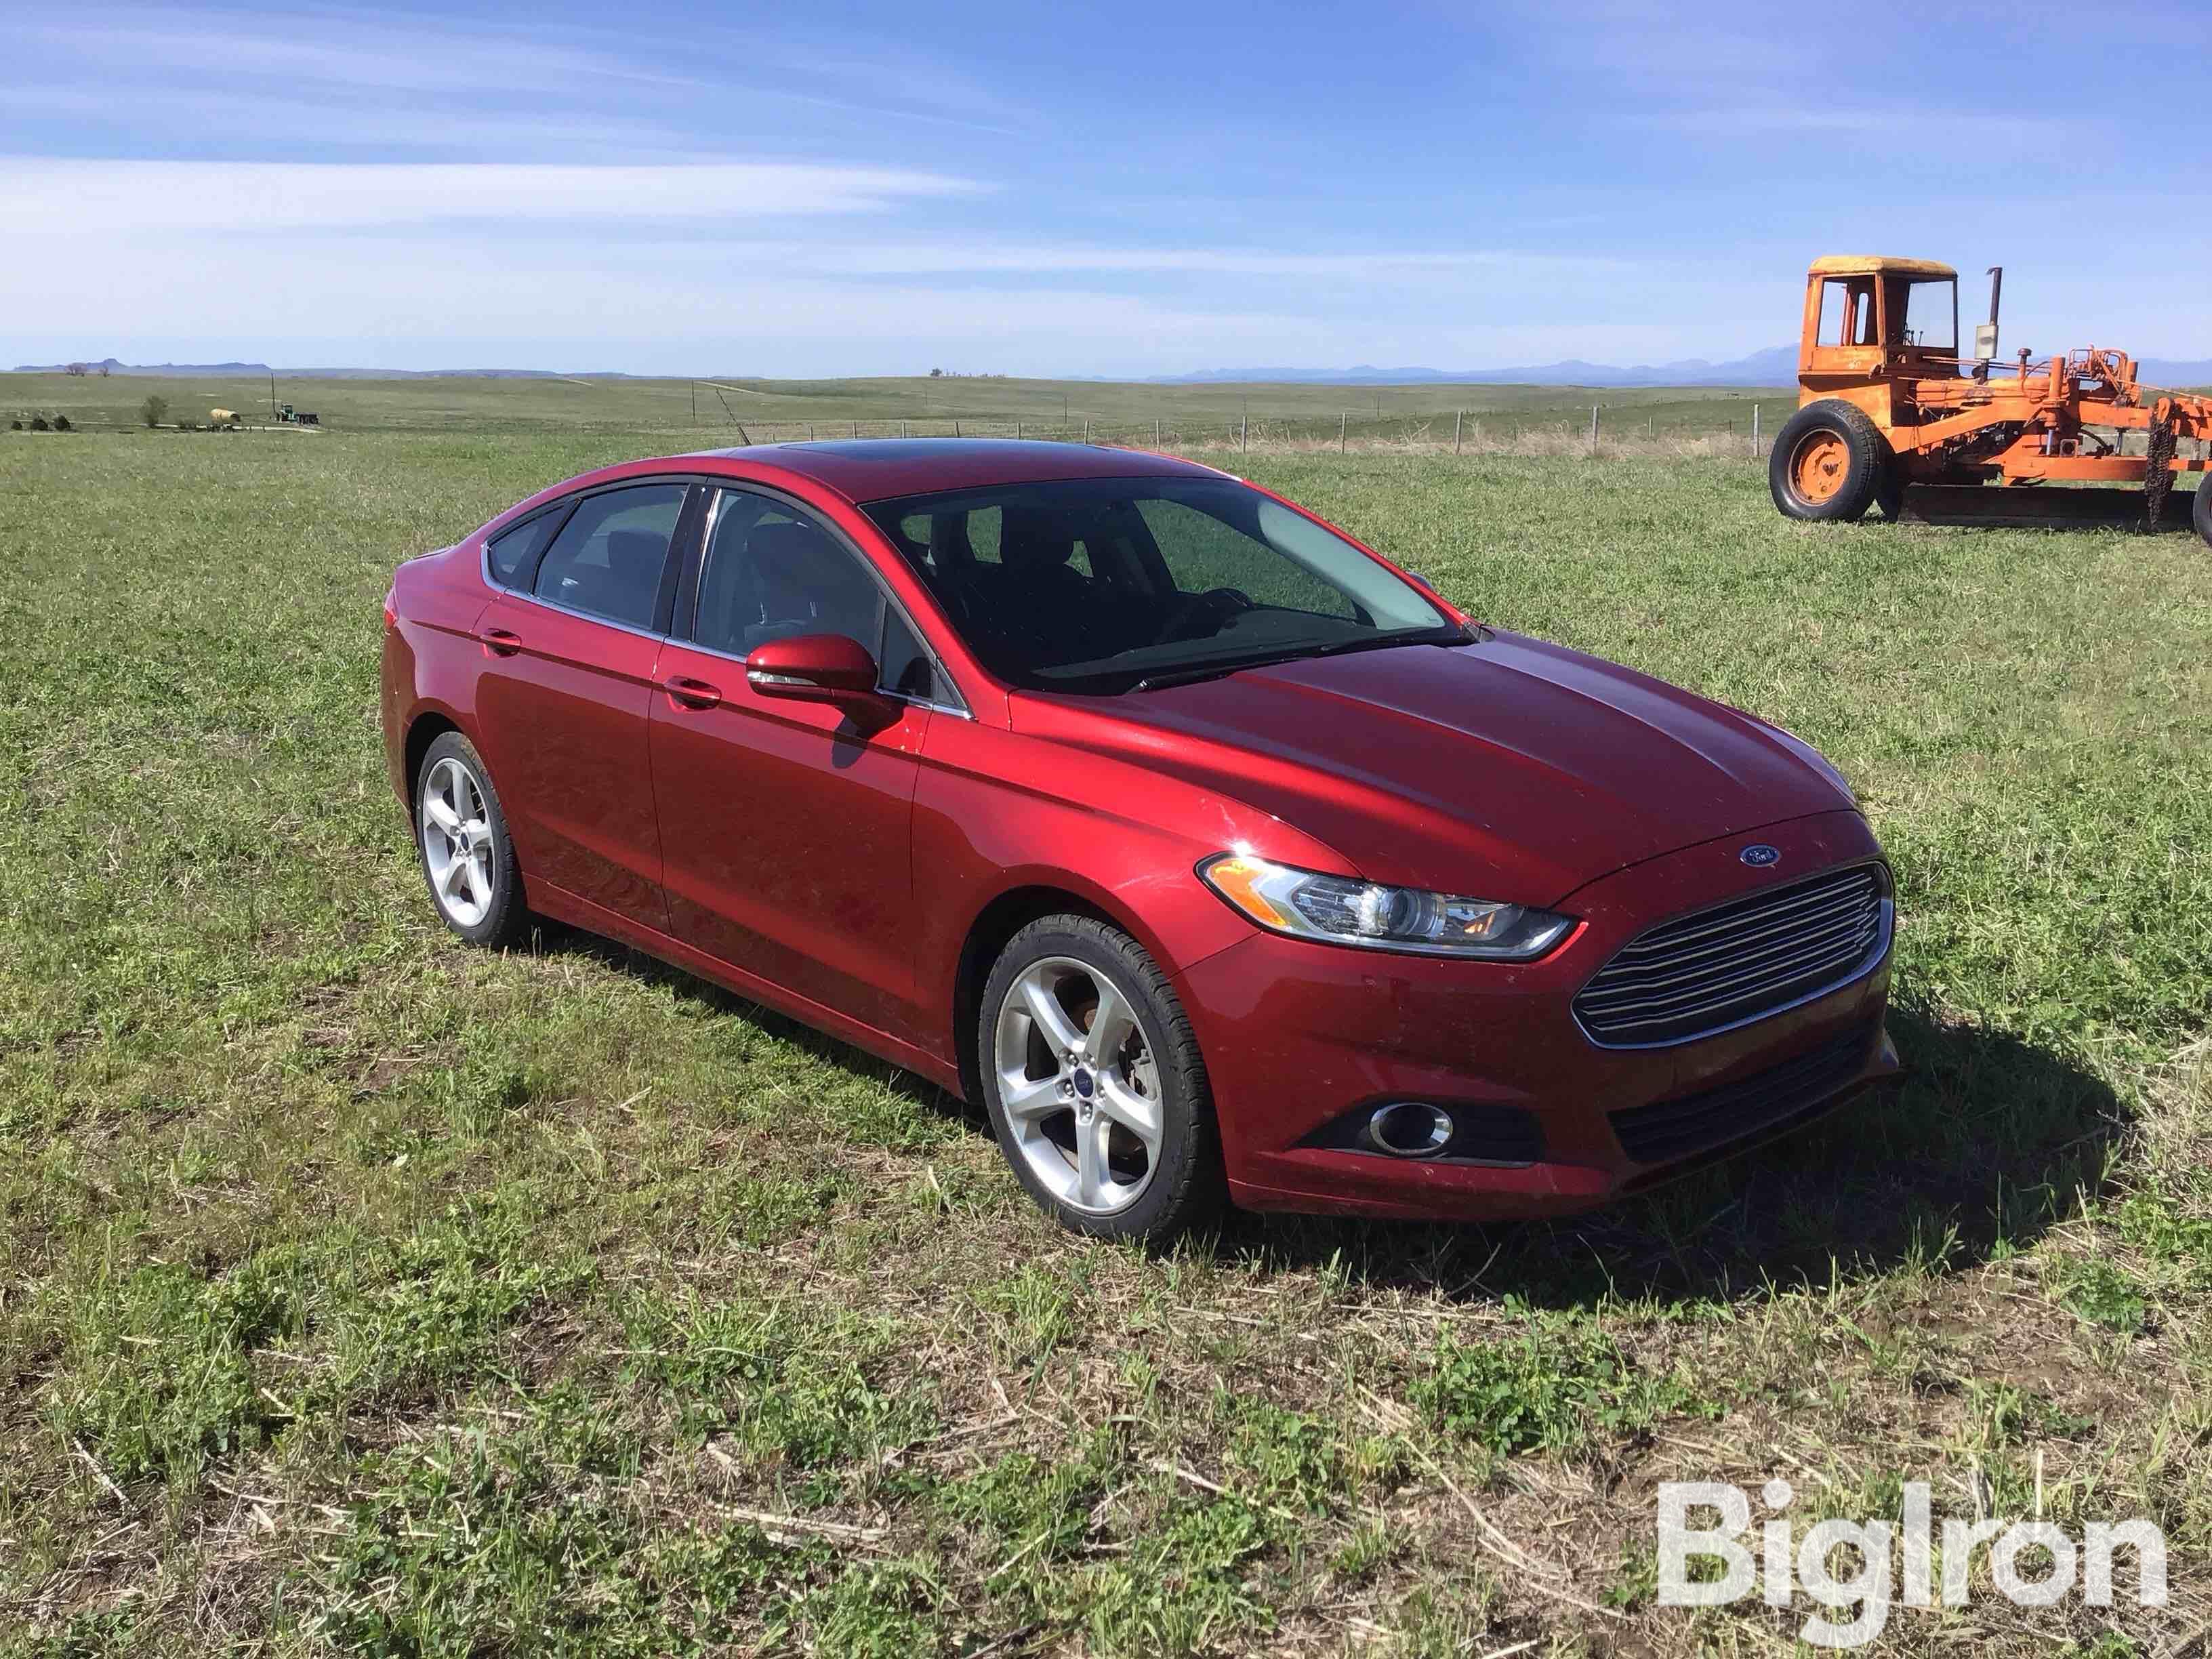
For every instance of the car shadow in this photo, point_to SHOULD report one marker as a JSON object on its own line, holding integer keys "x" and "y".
{"x": 1988, "y": 1141}
{"x": 558, "y": 938}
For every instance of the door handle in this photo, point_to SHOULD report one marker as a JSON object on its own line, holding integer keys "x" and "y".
{"x": 499, "y": 642}
{"x": 687, "y": 693}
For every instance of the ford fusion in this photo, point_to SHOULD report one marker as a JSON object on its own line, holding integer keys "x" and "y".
{"x": 1215, "y": 857}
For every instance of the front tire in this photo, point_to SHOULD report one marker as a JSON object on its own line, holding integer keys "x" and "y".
{"x": 1830, "y": 462}
{"x": 467, "y": 856}
{"x": 2201, "y": 514}
{"x": 1094, "y": 1083}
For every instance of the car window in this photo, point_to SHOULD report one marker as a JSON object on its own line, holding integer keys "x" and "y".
{"x": 772, "y": 573}
{"x": 1102, "y": 585}
{"x": 609, "y": 557}
{"x": 511, "y": 552}
{"x": 908, "y": 668}
{"x": 1203, "y": 554}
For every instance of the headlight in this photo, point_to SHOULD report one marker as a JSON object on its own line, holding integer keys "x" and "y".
{"x": 1346, "y": 911}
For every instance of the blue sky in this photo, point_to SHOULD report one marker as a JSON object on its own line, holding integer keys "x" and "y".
{"x": 1066, "y": 189}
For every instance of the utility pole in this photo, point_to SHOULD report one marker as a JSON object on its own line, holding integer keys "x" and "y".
{"x": 1343, "y": 419}
{"x": 272, "y": 395}
{"x": 695, "y": 403}
{"x": 1459, "y": 421}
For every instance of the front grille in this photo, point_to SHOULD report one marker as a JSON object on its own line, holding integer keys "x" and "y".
{"x": 1740, "y": 961}
{"x": 1675, "y": 1128}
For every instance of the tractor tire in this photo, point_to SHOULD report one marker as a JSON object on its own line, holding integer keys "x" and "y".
{"x": 1830, "y": 463}
{"x": 2201, "y": 515}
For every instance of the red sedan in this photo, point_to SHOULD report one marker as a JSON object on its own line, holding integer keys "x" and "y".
{"x": 1213, "y": 854}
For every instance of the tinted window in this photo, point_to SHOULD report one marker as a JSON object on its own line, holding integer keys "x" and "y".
{"x": 609, "y": 556}
{"x": 772, "y": 573}
{"x": 511, "y": 552}
{"x": 1102, "y": 584}
{"x": 906, "y": 667}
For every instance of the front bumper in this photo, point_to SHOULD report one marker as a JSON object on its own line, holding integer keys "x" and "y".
{"x": 1296, "y": 1033}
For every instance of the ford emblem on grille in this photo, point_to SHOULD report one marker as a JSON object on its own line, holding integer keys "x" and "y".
{"x": 1759, "y": 856}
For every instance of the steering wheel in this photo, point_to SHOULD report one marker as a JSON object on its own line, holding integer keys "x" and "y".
{"x": 1216, "y": 603}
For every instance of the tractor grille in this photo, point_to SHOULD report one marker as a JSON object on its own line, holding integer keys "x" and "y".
{"x": 1736, "y": 1111}
{"x": 1739, "y": 961}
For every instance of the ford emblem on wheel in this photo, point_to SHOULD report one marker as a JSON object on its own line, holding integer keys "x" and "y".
{"x": 1759, "y": 856}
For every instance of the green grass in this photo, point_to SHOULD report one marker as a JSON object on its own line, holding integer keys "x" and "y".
{"x": 362, "y": 1294}
{"x": 695, "y": 415}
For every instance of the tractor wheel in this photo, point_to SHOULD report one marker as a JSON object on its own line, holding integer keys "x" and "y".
{"x": 1830, "y": 462}
{"x": 2202, "y": 513}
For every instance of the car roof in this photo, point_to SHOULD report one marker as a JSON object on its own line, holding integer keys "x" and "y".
{"x": 874, "y": 469}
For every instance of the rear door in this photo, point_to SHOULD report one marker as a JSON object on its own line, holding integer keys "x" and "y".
{"x": 786, "y": 826}
{"x": 570, "y": 647}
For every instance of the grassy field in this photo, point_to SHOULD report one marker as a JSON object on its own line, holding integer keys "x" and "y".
{"x": 697, "y": 414}
{"x": 360, "y": 1292}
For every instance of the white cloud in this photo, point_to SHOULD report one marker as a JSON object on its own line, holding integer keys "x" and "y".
{"x": 39, "y": 195}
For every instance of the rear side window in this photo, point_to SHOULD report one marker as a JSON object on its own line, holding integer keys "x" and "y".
{"x": 511, "y": 553}
{"x": 609, "y": 557}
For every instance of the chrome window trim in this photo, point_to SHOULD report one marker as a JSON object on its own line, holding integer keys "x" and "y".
{"x": 1877, "y": 954}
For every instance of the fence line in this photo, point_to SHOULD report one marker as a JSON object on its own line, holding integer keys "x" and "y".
{"x": 1469, "y": 429}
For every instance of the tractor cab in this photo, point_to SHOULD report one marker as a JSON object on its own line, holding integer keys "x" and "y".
{"x": 1871, "y": 322}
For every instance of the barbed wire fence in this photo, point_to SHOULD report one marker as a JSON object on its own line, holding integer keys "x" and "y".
{"x": 1608, "y": 431}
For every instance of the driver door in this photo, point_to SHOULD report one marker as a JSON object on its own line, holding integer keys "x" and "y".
{"x": 786, "y": 826}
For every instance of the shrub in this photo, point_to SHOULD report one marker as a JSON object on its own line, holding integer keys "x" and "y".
{"x": 152, "y": 410}
{"x": 38, "y": 423}
{"x": 62, "y": 423}
{"x": 14, "y": 426}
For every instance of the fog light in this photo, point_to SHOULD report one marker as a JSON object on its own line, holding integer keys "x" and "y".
{"x": 1408, "y": 1128}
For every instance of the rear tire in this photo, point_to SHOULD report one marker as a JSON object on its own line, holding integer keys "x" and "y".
{"x": 2201, "y": 515}
{"x": 1830, "y": 462}
{"x": 461, "y": 840}
{"x": 1094, "y": 1083}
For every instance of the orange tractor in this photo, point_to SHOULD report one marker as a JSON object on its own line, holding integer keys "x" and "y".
{"x": 1891, "y": 413}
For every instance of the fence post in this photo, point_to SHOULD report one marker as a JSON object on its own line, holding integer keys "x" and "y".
{"x": 1156, "y": 432}
{"x": 1086, "y": 429}
{"x": 1244, "y": 431}
{"x": 1459, "y": 423}
{"x": 1754, "y": 432}
{"x": 901, "y": 428}
{"x": 1017, "y": 429}
{"x": 810, "y": 432}
{"x": 1594, "y": 428}
{"x": 1343, "y": 415}
{"x": 956, "y": 426}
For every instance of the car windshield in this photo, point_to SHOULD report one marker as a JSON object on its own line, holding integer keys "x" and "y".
{"x": 1111, "y": 585}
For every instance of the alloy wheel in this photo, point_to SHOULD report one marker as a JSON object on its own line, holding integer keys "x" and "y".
{"x": 1080, "y": 1084}
{"x": 457, "y": 842}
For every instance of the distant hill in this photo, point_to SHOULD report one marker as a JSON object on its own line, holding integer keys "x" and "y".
{"x": 114, "y": 368}
{"x": 1776, "y": 366}
{"x": 214, "y": 370}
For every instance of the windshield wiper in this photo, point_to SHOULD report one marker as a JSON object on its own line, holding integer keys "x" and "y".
{"x": 1222, "y": 668}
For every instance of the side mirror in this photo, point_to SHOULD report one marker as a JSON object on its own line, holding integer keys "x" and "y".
{"x": 813, "y": 668}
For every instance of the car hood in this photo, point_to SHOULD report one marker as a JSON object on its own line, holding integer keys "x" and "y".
{"x": 1509, "y": 769}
